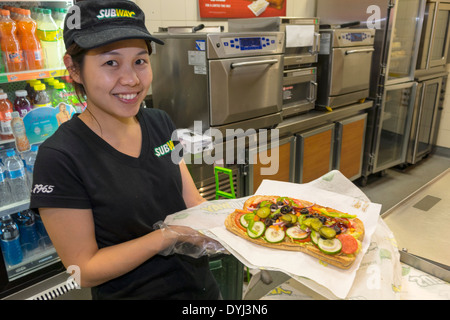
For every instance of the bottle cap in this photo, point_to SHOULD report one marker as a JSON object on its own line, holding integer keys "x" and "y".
{"x": 39, "y": 87}
{"x": 3, "y": 96}
{"x": 60, "y": 85}
{"x": 21, "y": 93}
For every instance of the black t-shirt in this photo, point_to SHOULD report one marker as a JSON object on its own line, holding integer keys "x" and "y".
{"x": 75, "y": 168}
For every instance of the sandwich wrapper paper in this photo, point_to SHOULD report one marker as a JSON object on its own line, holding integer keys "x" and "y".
{"x": 377, "y": 268}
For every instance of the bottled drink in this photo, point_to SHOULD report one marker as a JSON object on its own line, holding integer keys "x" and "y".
{"x": 10, "y": 241}
{"x": 31, "y": 46}
{"x": 49, "y": 36}
{"x": 30, "y": 89}
{"x": 5, "y": 194}
{"x": 17, "y": 177}
{"x": 60, "y": 14}
{"x": 41, "y": 98}
{"x": 6, "y": 110}
{"x": 19, "y": 131}
{"x": 21, "y": 103}
{"x": 11, "y": 48}
{"x": 30, "y": 159}
{"x": 60, "y": 94}
{"x": 29, "y": 238}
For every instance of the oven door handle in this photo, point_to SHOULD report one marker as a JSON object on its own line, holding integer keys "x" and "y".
{"x": 252, "y": 63}
{"x": 312, "y": 91}
{"x": 359, "y": 51}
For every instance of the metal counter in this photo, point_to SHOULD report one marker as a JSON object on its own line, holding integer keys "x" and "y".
{"x": 316, "y": 118}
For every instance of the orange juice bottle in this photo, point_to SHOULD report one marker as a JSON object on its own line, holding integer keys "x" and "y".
{"x": 12, "y": 51}
{"x": 31, "y": 46}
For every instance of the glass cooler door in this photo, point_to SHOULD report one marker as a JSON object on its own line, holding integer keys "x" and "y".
{"x": 26, "y": 247}
{"x": 393, "y": 132}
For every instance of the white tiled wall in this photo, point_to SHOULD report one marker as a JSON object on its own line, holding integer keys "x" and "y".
{"x": 164, "y": 13}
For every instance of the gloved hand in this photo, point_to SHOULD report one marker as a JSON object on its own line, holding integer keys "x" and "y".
{"x": 187, "y": 241}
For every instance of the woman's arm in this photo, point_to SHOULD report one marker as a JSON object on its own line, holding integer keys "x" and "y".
{"x": 191, "y": 195}
{"x": 73, "y": 235}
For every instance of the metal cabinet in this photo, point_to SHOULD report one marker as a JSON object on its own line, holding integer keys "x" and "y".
{"x": 315, "y": 153}
{"x": 424, "y": 119}
{"x": 349, "y": 145}
{"x": 270, "y": 161}
{"x": 392, "y": 131}
{"x": 435, "y": 35}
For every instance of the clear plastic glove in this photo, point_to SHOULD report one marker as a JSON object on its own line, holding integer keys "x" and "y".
{"x": 187, "y": 241}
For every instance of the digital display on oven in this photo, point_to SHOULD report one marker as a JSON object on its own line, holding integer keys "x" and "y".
{"x": 356, "y": 37}
{"x": 250, "y": 43}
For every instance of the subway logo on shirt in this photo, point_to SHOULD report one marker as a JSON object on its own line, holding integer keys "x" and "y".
{"x": 164, "y": 149}
{"x": 115, "y": 13}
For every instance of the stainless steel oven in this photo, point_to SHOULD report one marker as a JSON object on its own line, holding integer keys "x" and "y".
{"x": 299, "y": 90}
{"x": 302, "y": 36}
{"x": 224, "y": 80}
{"x": 300, "y": 56}
{"x": 435, "y": 36}
{"x": 344, "y": 66}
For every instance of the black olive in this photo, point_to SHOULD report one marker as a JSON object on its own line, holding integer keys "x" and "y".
{"x": 322, "y": 219}
{"x": 310, "y": 216}
{"x": 268, "y": 222}
{"x": 280, "y": 203}
{"x": 286, "y": 209}
{"x": 304, "y": 211}
{"x": 275, "y": 217}
{"x": 273, "y": 207}
{"x": 337, "y": 229}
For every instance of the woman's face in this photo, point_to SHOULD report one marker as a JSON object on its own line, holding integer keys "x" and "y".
{"x": 116, "y": 78}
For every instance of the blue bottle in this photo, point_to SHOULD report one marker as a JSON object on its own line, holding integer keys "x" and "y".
{"x": 29, "y": 237}
{"x": 10, "y": 241}
{"x": 17, "y": 176}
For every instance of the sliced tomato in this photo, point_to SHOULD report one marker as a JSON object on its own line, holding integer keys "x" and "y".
{"x": 349, "y": 243}
{"x": 304, "y": 240}
{"x": 237, "y": 220}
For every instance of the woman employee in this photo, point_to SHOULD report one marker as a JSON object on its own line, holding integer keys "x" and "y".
{"x": 99, "y": 185}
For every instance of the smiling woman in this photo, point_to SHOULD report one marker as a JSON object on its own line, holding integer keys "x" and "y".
{"x": 112, "y": 172}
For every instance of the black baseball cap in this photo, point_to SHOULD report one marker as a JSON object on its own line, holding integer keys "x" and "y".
{"x": 92, "y": 24}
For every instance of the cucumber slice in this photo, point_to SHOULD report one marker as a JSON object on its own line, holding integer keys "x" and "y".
{"x": 273, "y": 235}
{"x": 243, "y": 222}
{"x": 296, "y": 233}
{"x": 257, "y": 230}
{"x": 315, "y": 236}
{"x": 329, "y": 246}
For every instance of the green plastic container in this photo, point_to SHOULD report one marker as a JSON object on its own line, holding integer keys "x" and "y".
{"x": 229, "y": 274}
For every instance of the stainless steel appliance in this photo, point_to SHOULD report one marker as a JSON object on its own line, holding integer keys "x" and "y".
{"x": 300, "y": 57}
{"x": 433, "y": 51}
{"x": 398, "y": 26}
{"x": 430, "y": 93}
{"x": 299, "y": 90}
{"x": 224, "y": 80}
{"x": 344, "y": 66}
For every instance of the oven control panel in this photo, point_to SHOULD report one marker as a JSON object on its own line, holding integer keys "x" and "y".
{"x": 346, "y": 37}
{"x": 242, "y": 44}
{"x": 227, "y": 45}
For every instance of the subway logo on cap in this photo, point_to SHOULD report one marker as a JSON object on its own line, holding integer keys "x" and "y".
{"x": 115, "y": 13}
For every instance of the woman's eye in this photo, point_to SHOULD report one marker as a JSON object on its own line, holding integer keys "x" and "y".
{"x": 141, "y": 61}
{"x": 111, "y": 63}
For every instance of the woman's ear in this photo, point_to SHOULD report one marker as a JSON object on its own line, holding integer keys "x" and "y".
{"x": 74, "y": 71}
